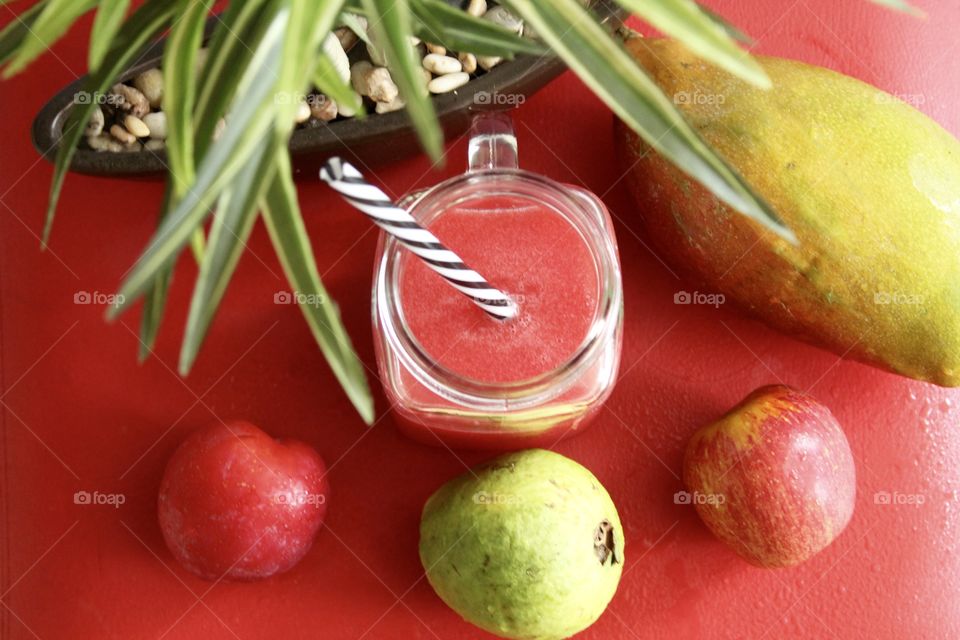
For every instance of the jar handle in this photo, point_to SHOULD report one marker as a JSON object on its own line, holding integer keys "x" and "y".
{"x": 493, "y": 144}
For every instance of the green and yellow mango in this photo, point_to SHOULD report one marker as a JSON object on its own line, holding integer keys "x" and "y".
{"x": 869, "y": 185}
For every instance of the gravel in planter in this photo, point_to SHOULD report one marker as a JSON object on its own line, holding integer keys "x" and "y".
{"x": 130, "y": 118}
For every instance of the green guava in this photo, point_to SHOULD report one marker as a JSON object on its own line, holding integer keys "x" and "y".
{"x": 528, "y": 545}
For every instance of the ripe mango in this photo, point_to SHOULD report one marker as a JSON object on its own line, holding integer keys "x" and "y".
{"x": 869, "y": 185}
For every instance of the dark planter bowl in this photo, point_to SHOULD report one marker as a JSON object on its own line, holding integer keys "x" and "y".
{"x": 375, "y": 140}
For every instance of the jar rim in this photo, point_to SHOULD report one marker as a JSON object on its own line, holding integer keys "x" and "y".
{"x": 585, "y": 213}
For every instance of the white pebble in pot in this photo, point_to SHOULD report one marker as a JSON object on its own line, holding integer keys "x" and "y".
{"x": 131, "y": 100}
{"x": 136, "y": 126}
{"x": 95, "y": 125}
{"x": 104, "y": 142}
{"x": 122, "y": 135}
{"x": 346, "y": 36}
{"x": 157, "y": 123}
{"x": 394, "y": 105}
{"x": 477, "y": 7}
{"x": 441, "y": 65}
{"x": 427, "y": 77}
{"x": 323, "y": 108}
{"x": 488, "y": 62}
{"x": 469, "y": 62}
{"x": 500, "y": 15}
{"x": 150, "y": 84}
{"x": 448, "y": 82}
{"x": 380, "y": 85}
{"x": 359, "y": 73}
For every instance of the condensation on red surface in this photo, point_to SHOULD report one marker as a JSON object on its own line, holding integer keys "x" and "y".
{"x": 81, "y": 415}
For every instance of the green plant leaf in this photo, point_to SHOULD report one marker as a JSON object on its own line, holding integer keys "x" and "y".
{"x": 281, "y": 212}
{"x": 110, "y": 15}
{"x": 179, "y": 90}
{"x": 231, "y": 48}
{"x": 349, "y": 20}
{"x": 281, "y": 66}
{"x": 232, "y": 29}
{"x": 310, "y": 22}
{"x": 606, "y": 67}
{"x": 232, "y": 223}
{"x": 154, "y": 305}
{"x": 132, "y": 38}
{"x": 902, "y": 5}
{"x": 16, "y": 30}
{"x": 198, "y": 243}
{"x": 237, "y": 206}
{"x": 683, "y": 19}
{"x": 57, "y": 16}
{"x": 427, "y": 23}
{"x": 390, "y": 21}
{"x": 443, "y": 24}
{"x": 732, "y": 30}
{"x": 329, "y": 82}
{"x": 155, "y": 299}
{"x": 251, "y": 118}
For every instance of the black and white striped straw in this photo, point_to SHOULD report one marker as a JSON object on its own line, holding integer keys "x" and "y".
{"x": 396, "y": 221}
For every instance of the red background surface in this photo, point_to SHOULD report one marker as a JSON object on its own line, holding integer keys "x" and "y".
{"x": 80, "y": 414}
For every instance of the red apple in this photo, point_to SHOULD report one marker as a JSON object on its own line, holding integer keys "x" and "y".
{"x": 237, "y": 504}
{"x": 774, "y": 478}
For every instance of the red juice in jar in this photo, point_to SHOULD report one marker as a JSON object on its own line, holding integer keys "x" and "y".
{"x": 523, "y": 249}
{"x": 457, "y": 376}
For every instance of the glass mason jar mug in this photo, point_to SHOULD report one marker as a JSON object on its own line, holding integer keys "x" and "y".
{"x": 455, "y": 375}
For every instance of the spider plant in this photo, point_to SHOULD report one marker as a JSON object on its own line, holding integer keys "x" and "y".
{"x": 261, "y": 51}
